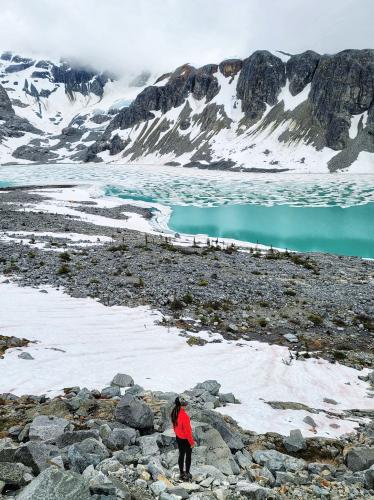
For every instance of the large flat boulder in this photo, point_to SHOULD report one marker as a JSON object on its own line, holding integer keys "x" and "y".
{"x": 46, "y": 428}
{"x": 56, "y": 484}
{"x": 276, "y": 461}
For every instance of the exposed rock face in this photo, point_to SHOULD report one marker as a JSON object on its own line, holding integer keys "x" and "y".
{"x": 37, "y": 154}
{"x": 260, "y": 81}
{"x": 300, "y": 70}
{"x": 343, "y": 84}
{"x": 6, "y": 109}
{"x": 230, "y": 67}
{"x": 185, "y": 80}
{"x": 13, "y": 126}
{"x": 79, "y": 79}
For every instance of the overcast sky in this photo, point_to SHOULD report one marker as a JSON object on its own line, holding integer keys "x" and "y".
{"x": 128, "y": 35}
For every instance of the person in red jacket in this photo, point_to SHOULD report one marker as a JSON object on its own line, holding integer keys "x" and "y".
{"x": 182, "y": 428}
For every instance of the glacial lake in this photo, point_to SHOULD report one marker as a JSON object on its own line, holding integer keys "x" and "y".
{"x": 308, "y": 212}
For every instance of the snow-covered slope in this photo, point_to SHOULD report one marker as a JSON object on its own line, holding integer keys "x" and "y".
{"x": 269, "y": 112}
{"x": 65, "y": 107}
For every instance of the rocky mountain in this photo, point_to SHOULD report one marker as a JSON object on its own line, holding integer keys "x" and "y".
{"x": 271, "y": 111}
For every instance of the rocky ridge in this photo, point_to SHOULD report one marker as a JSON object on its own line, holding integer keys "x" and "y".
{"x": 301, "y": 112}
{"x": 117, "y": 444}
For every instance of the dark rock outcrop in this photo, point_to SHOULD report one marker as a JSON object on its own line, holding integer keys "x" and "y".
{"x": 37, "y": 154}
{"x": 300, "y": 70}
{"x": 6, "y": 109}
{"x": 13, "y": 68}
{"x": 116, "y": 145}
{"x": 230, "y": 67}
{"x": 343, "y": 85}
{"x": 79, "y": 79}
{"x": 260, "y": 81}
{"x": 184, "y": 81}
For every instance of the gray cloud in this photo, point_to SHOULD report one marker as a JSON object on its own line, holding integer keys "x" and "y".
{"x": 129, "y": 35}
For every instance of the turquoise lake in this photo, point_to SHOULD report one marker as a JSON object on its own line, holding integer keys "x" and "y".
{"x": 305, "y": 212}
{"x": 345, "y": 231}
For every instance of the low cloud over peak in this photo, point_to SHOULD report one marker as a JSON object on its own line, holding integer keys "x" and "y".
{"x": 130, "y": 35}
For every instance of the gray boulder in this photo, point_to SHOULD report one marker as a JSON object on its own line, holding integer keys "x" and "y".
{"x": 25, "y": 355}
{"x": 369, "y": 478}
{"x": 261, "y": 475}
{"x": 88, "y": 452}
{"x": 36, "y": 455}
{"x": 134, "y": 413}
{"x": 283, "y": 477}
{"x": 227, "y": 398}
{"x": 56, "y": 484}
{"x": 295, "y": 441}
{"x": 111, "y": 392}
{"x": 276, "y": 461}
{"x": 255, "y": 492}
{"x": 14, "y": 474}
{"x": 71, "y": 437}
{"x": 119, "y": 438}
{"x": 149, "y": 445}
{"x": 217, "y": 421}
{"x": 128, "y": 456}
{"x": 244, "y": 459}
{"x": 45, "y": 428}
{"x": 211, "y": 386}
{"x": 360, "y": 458}
{"x": 217, "y": 451}
{"x": 7, "y": 450}
{"x": 135, "y": 390}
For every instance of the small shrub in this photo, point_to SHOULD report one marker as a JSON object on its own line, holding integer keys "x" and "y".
{"x": 339, "y": 355}
{"x": 63, "y": 269}
{"x": 187, "y": 298}
{"x": 203, "y": 282}
{"x": 316, "y": 319}
{"x": 65, "y": 257}
{"x": 118, "y": 248}
{"x": 196, "y": 341}
{"x": 290, "y": 293}
{"x": 176, "y": 304}
{"x": 263, "y": 303}
{"x": 262, "y": 322}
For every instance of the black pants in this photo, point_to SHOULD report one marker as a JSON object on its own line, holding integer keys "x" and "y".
{"x": 185, "y": 451}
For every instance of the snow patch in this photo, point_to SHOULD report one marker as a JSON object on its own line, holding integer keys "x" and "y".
{"x": 158, "y": 358}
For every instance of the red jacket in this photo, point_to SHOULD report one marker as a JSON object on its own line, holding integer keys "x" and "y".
{"x": 183, "y": 428}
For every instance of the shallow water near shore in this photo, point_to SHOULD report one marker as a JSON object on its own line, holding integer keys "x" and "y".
{"x": 344, "y": 231}
{"x": 325, "y": 213}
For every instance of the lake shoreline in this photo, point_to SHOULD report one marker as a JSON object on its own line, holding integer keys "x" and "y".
{"x": 317, "y": 304}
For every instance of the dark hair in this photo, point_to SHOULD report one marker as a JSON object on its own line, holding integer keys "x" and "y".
{"x": 175, "y": 411}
